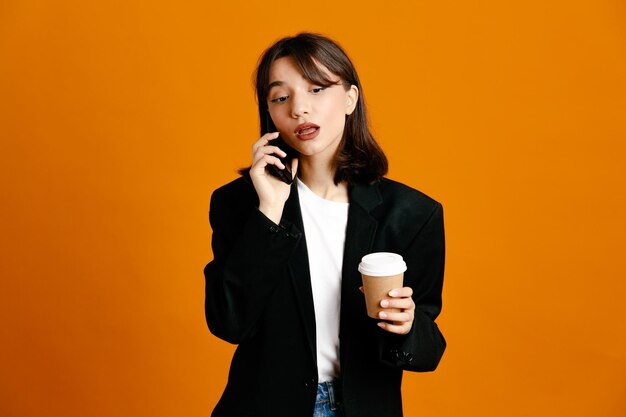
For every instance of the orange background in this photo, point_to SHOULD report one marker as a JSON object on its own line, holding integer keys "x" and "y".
{"x": 118, "y": 119}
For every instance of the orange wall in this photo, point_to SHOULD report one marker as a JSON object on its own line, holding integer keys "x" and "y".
{"x": 118, "y": 119}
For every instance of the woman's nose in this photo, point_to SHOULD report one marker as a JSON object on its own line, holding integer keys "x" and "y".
{"x": 300, "y": 105}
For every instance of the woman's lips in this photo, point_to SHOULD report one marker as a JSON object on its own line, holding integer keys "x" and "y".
{"x": 307, "y": 131}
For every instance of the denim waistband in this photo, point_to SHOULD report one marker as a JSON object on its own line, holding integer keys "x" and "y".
{"x": 330, "y": 392}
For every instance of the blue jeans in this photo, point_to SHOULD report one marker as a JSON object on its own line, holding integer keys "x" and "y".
{"x": 329, "y": 400}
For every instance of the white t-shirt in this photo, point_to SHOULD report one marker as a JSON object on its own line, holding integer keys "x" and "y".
{"x": 325, "y": 230}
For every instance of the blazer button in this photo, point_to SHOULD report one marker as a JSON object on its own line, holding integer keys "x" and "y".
{"x": 273, "y": 229}
{"x": 308, "y": 383}
{"x": 395, "y": 353}
{"x": 408, "y": 357}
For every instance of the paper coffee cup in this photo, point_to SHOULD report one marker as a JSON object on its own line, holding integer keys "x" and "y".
{"x": 381, "y": 272}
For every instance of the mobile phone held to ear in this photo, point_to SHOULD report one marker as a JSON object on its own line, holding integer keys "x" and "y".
{"x": 284, "y": 175}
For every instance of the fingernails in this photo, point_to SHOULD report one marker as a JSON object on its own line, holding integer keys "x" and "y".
{"x": 381, "y": 325}
{"x": 393, "y": 293}
{"x": 382, "y": 315}
{"x": 384, "y": 303}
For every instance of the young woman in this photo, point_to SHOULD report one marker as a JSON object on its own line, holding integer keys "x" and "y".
{"x": 284, "y": 284}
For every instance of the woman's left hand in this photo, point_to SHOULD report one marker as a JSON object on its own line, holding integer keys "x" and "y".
{"x": 402, "y": 321}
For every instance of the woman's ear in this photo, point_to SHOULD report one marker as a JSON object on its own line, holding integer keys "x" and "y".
{"x": 352, "y": 97}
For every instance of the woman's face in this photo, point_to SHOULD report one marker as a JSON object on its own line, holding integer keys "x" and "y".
{"x": 293, "y": 101}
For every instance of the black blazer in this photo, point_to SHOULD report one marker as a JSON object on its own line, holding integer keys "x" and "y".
{"x": 258, "y": 295}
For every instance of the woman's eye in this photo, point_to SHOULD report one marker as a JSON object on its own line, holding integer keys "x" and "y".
{"x": 279, "y": 99}
{"x": 318, "y": 89}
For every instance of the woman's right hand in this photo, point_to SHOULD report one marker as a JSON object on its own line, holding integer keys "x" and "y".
{"x": 272, "y": 191}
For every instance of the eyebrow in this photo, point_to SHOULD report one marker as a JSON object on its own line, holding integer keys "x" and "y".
{"x": 278, "y": 84}
{"x": 281, "y": 83}
{"x": 275, "y": 84}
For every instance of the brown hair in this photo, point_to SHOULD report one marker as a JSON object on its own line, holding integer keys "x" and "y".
{"x": 359, "y": 158}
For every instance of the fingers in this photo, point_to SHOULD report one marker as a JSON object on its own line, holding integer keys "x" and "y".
{"x": 399, "y": 298}
{"x": 269, "y": 160}
{"x": 401, "y": 317}
{"x": 262, "y": 146}
{"x": 401, "y": 292}
{"x": 402, "y": 303}
{"x": 403, "y": 328}
{"x": 264, "y": 140}
{"x": 264, "y": 154}
{"x": 268, "y": 150}
{"x": 399, "y": 322}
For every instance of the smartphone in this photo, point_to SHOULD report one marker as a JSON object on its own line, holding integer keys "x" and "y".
{"x": 284, "y": 175}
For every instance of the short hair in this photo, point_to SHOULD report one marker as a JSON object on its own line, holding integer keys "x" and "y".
{"x": 359, "y": 158}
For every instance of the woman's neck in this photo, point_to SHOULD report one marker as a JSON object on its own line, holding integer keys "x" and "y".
{"x": 319, "y": 178}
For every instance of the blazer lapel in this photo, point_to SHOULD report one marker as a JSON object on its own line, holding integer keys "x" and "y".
{"x": 360, "y": 234}
{"x": 299, "y": 270}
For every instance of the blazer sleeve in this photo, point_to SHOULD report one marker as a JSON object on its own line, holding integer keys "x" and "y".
{"x": 249, "y": 254}
{"x": 422, "y": 348}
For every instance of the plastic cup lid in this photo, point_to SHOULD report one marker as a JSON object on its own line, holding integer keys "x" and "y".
{"x": 382, "y": 264}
